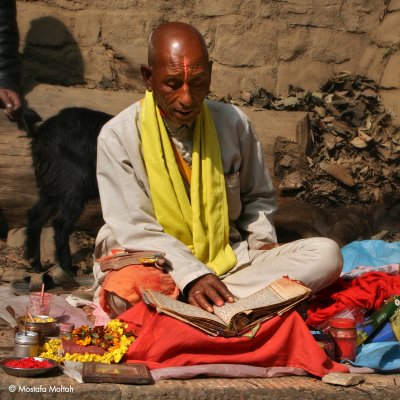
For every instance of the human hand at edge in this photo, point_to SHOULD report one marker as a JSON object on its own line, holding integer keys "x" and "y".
{"x": 10, "y": 102}
{"x": 209, "y": 290}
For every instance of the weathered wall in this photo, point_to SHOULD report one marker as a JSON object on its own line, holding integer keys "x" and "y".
{"x": 254, "y": 43}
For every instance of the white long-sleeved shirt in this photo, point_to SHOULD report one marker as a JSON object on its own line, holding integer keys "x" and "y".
{"x": 128, "y": 212}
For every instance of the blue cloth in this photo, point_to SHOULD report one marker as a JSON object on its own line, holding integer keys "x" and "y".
{"x": 371, "y": 253}
{"x": 382, "y": 356}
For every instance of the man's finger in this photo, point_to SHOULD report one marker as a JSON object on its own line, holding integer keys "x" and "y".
{"x": 193, "y": 301}
{"x": 198, "y": 299}
{"x": 223, "y": 292}
{"x": 215, "y": 295}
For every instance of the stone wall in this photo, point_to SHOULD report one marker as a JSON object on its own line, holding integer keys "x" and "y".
{"x": 253, "y": 43}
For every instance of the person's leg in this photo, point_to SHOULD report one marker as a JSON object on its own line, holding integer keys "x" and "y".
{"x": 317, "y": 262}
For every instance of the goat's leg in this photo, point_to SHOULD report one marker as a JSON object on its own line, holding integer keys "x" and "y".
{"x": 38, "y": 216}
{"x": 63, "y": 224}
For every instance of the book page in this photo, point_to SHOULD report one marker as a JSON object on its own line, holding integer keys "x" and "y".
{"x": 187, "y": 310}
{"x": 276, "y": 294}
{"x": 262, "y": 298}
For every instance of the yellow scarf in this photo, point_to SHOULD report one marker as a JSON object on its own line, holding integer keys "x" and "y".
{"x": 202, "y": 224}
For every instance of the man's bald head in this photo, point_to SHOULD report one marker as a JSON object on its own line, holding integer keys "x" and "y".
{"x": 179, "y": 71}
{"x": 175, "y": 37}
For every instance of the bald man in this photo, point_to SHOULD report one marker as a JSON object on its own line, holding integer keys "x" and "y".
{"x": 185, "y": 176}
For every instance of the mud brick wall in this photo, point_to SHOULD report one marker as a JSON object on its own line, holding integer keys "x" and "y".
{"x": 253, "y": 43}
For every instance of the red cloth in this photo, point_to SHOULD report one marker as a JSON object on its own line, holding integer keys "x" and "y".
{"x": 282, "y": 341}
{"x": 367, "y": 291}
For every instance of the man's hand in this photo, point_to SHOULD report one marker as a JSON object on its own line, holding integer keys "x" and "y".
{"x": 209, "y": 290}
{"x": 10, "y": 102}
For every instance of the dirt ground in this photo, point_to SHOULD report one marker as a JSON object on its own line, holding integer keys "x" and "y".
{"x": 14, "y": 265}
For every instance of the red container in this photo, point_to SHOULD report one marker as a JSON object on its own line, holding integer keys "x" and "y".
{"x": 344, "y": 333}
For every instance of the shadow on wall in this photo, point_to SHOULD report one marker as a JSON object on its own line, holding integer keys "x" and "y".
{"x": 51, "y": 55}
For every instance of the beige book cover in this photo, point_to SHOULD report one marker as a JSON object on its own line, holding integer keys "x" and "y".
{"x": 234, "y": 319}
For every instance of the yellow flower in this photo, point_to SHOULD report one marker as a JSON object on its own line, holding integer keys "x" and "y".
{"x": 114, "y": 354}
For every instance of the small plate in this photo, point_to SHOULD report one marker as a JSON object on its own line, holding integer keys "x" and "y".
{"x": 26, "y": 372}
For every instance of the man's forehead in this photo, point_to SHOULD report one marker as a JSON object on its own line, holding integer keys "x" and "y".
{"x": 174, "y": 61}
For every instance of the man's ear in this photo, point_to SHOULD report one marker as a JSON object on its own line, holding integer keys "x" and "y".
{"x": 147, "y": 73}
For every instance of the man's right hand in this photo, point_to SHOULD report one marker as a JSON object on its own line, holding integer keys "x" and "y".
{"x": 10, "y": 102}
{"x": 209, "y": 290}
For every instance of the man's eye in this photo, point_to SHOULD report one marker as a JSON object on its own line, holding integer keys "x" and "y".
{"x": 197, "y": 82}
{"x": 173, "y": 84}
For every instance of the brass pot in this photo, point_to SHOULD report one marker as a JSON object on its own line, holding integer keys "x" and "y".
{"x": 43, "y": 328}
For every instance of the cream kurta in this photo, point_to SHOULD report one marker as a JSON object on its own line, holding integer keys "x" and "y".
{"x": 125, "y": 193}
{"x": 130, "y": 222}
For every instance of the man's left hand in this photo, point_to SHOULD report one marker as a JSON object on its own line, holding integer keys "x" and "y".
{"x": 209, "y": 290}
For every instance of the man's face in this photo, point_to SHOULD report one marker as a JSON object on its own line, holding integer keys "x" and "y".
{"x": 180, "y": 83}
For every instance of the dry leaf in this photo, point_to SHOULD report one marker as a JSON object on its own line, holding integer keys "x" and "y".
{"x": 358, "y": 142}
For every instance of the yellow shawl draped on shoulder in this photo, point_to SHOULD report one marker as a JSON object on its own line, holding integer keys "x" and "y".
{"x": 201, "y": 222}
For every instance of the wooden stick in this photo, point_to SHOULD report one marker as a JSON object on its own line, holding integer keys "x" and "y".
{"x": 26, "y": 319}
{"x": 30, "y": 316}
{"x": 42, "y": 295}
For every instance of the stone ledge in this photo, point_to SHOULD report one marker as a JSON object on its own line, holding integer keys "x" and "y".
{"x": 291, "y": 387}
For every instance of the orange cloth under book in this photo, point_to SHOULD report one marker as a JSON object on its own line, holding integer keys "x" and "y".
{"x": 128, "y": 281}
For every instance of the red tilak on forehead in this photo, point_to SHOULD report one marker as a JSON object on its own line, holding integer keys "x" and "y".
{"x": 186, "y": 67}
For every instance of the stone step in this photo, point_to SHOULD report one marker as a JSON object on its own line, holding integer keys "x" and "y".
{"x": 270, "y": 124}
{"x": 47, "y": 100}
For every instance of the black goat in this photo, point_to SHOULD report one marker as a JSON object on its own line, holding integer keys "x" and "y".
{"x": 64, "y": 160}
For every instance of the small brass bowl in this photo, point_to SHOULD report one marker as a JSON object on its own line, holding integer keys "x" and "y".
{"x": 43, "y": 328}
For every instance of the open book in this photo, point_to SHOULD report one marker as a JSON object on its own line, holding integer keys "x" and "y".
{"x": 234, "y": 319}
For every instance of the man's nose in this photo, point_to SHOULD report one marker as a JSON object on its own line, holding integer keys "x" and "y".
{"x": 185, "y": 97}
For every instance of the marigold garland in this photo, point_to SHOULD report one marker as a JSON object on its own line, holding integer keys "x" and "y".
{"x": 112, "y": 337}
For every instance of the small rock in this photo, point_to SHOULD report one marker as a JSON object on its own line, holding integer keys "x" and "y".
{"x": 245, "y": 96}
{"x": 294, "y": 181}
{"x": 343, "y": 379}
{"x": 16, "y": 237}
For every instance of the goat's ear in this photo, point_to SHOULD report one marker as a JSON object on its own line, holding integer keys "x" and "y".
{"x": 147, "y": 73}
